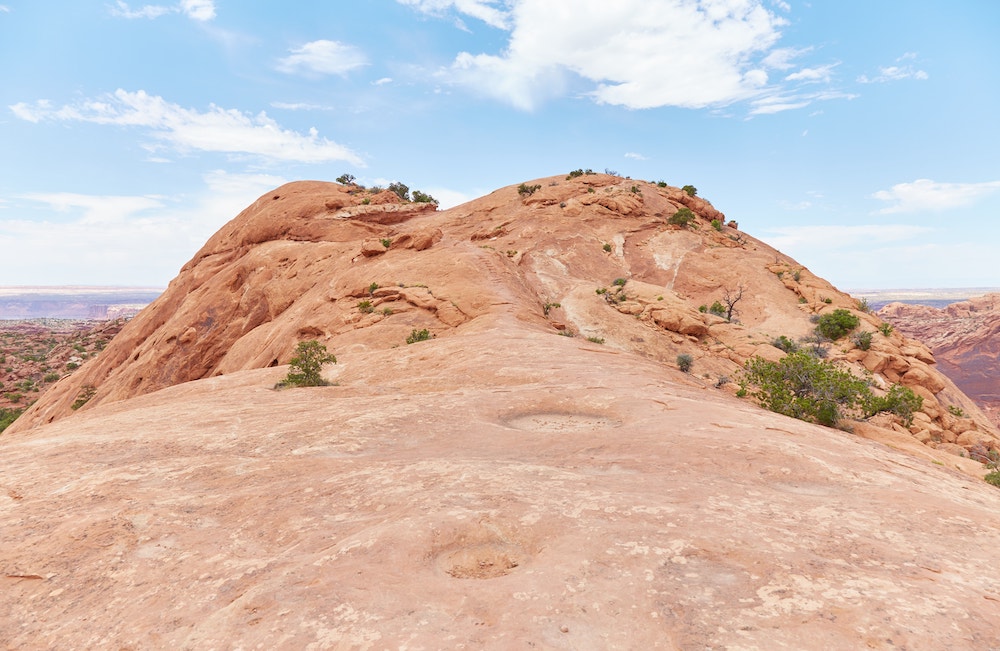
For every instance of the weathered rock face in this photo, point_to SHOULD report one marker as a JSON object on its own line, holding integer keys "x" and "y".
{"x": 965, "y": 338}
{"x": 500, "y": 485}
{"x": 299, "y": 262}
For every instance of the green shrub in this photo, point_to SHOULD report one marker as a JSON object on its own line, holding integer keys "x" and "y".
{"x": 549, "y": 306}
{"x": 864, "y": 306}
{"x": 803, "y": 387}
{"x": 420, "y": 197}
{"x": 307, "y": 364}
{"x": 836, "y": 324}
{"x": 596, "y": 340}
{"x": 601, "y": 290}
{"x": 886, "y": 329}
{"x": 684, "y": 362}
{"x": 991, "y": 478}
{"x": 785, "y": 344}
{"x": 346, "y": 179}
{"x": 683, "y": 217}
{"x": 862, "y": 340}
{"x": 418, "y": 335}
{"x": 607, "y": 247}
{"x": 365, "y": 306}
{"x": 661, "y": 184}
{"x": 619, "y": 282}
{"x": 402, "y": 191}
{"x": 373, "y": 286}
{"x": 898, "y": 400}
{"x": 8, "y": 416}
{"x": 574, "y": 174}
{"x": 72, "y": 366}
{"x": 690, "y": 190}
{"x": 718, "y": 309}
{"x": 86, "y": 393}
{"x": 956, "y": 411}
{"x": 717, "y": 225}
{"x": 51, "y": 377}
{"x": 527, "y": 190}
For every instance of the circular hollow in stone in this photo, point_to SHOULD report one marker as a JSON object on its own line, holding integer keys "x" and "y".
{"x": 482, "y": 561}
{"x": 560, "y": 422}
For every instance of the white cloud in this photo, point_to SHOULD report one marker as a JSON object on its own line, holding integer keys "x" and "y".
{"x": 635, "y": 156}
{"x": 4, "y": 9}
{"x": 484, "y": 10}
{"x": 323, "y": 58}
{"x": 790, "y": 238}
{"x": 897, "y": 72}
{"x": 100, "y": 239}
{"x": 785, "y": 102}
{"x": 925, "y": 194}
{"x": 216, "y": 130}
{"x": 382, "y": 82}
{"x": 200, "y": 10}
{"x": 817, "y": 74}
{"x": 632, "y": 53}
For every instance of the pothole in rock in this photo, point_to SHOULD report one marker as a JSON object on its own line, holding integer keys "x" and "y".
{"x": 554, "y": 421}
{"x": 483, "y": 561}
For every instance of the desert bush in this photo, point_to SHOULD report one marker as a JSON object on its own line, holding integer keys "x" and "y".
{"x": 607, "y": 247}
{"x": 402, "y": 191}
{"x": 421, "y": 197}
{"x": 86, "y": 393}
{"x": 596, "y": 340}
{"x": 862, "y": 340}
{"x": 619, "y": 282}
{"x": 365, "y": 307}
{"x": 717, "y": 225}
{"x": 8, "y": 416}
{"x": 683, "y": 217}
{"x": 50, "y": 377}
{"x": 898, "y": 400}
{"x": 684, "y": 362}
{"x": 386, "y": 242}
{"x": 718, "y": 309}
{"x": 803, "y": 387}
{"x": 886, "y": 329}
{"x": 785, "y": 344}
{"x": 815, "y": 390}
{"x": 956, "y": 411}
{"x": 307, "y": 364}
{"x": 418, "y": 335}
{"x": 574, "y": 174}
{"x": 346, "y": 179}
{"x": 661, "y": 184}
{"x": 690, "y": 190}
{"x": 864, "y": 306}
{"x": 836, "y": 324}
{"x": 527, "y": 190}
{"x": 992, "y": 478}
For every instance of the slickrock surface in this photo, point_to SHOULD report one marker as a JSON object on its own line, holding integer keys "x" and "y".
{"x": 498, "y": 486}
{"x": 965, "y": 338}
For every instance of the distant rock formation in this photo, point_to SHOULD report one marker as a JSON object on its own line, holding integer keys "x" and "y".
{"x": 965, "y": 338}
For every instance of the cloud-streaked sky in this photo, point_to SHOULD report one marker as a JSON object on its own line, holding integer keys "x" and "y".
{"x": 861, "y": 138}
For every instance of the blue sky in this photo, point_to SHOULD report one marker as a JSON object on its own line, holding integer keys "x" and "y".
{"x": 861, "y": 138}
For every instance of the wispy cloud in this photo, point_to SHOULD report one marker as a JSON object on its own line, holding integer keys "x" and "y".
{"x": 838, "y": 236}
{"x": 322, "y": 58}
{"x": 635, "y": 156}
{"x": 484, "y": 10}
{"x": 94, "y": 239}
{"x": 896, "y": 72}
{"x": 200, "y": 10}
{"x": 215, "y": 130}
{"x": 4, "y": 9}
{"x": 927, "y": 195}
{"x": 814, "y": 75}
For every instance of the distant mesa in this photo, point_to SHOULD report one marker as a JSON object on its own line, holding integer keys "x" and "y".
{"x": 95, "y": 303}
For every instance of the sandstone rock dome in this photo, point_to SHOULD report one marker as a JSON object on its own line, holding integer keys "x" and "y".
{"x": 499, "y": 485}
